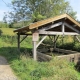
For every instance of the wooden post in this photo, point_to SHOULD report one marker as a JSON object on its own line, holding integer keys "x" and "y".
{"x": 54, "y": 42}
{"x": 18, "y": 41}
{"x": 74, "y": 38}
{"x": 63, "y": 30}
{"x": 35, "y": 37}
{"x": 34, "y": 51}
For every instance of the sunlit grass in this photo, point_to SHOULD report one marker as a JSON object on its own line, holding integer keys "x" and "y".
{"x": 8, "y": 31}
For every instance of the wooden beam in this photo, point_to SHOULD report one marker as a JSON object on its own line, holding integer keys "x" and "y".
{"x": 77, "y": 38}
{"x": 35, "y": 37}
{"x": 23, "y": 38}
{"x": 25, "y": 34}
{"x": 55, "y": 41}
{"x": 56, "y": 33}
{"x": 44, "y": 56}
{"x": 51, "y": 26}
{"x": 34, "y": 51}
{"x": 41, "y": 41}
{"x": 63, "y": 28}
{"x": 65, "y": 51}
{"x": 74, "y": 29}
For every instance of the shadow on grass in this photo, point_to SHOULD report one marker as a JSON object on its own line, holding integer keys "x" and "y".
{"x": 12, "y": 53}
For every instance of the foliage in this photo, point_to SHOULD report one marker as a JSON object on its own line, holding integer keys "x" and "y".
{"x": 35, "y": 10}
{"x": 27, "y": 69}
{"x": 3, "y": 25}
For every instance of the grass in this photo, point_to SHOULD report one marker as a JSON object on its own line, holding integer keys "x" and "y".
{"x": 25, "y": 68}
{"x": 7, "y": 31}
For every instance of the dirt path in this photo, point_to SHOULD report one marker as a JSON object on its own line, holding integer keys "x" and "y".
{"x": 5, "y": 70}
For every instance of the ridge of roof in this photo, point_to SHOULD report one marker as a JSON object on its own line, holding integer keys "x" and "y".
{"x": 46, "y": 21}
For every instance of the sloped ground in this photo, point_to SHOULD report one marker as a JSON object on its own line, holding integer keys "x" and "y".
{"x": 5, "y": 70}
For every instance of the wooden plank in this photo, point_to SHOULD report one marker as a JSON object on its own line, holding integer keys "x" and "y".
{"x": 44, "y": 56}
{"x": 65, "y": 51}
{"x": 69, "y": 26}
{"x": 46, "y": 21}
{"x": 41, "y": 41}
{"x": 57, "y": 33}
{"x": 55, "y": 41}
{"x": 51, "y": 26}
{"x": 34, "y": 51}
{"x": 63, "y": 29}
{"x": 35, "y": 36}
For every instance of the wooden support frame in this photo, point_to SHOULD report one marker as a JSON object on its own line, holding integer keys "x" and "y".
{"x": 19, "y": 40}
{"x": 35, "y": 37}
{"x": 74, "y": 29}
{"x": 63, "y": 29}
{"x": 41, "y": 41}
{"x": 51, "y": 26}
{"x": 56, "y": 33}
{"x": 77, "y": 38}
{"x": 54, "y": 42}
{"x": 23, "y": 38}
{"x": 34, "y": 51}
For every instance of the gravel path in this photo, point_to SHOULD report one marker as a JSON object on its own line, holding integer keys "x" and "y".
{"x": 5, "y": 70}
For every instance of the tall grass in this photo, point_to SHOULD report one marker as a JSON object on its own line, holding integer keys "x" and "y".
{"x": 28, "y": 69}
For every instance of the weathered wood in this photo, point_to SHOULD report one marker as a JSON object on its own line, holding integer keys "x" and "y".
{"x": 41, "y": 41}
{"x": 55, "y": 41}
{"x": 46, "y": 21}
{"x": 74, "y": 29}
{"x": 44, "y": 56}
{"x": 34, "y": 51}
{"x": 73, "y": 56}
{"x": 77, "y": 38}
{"x": 35, "y": 36}
{"x": 49, "y": 21}
{"x": 56, "y": 33}
{"x": 23, "y": 38}
{"x": 51, "y": 26}
{"x": 63, "y": 28}
{"x": 65, "y": 51}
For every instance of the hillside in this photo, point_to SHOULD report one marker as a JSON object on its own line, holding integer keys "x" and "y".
{"x": 26, "y": 68}
{"x": 7, "y": 31}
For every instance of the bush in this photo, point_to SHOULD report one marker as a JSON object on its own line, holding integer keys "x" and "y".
{"x": 56, "y": 69}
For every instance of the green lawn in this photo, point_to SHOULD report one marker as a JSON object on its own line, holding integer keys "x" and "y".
{"x": 7, "y": 31}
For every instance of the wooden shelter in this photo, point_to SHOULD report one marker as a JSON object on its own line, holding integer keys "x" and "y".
{"x": 59, "y": 25}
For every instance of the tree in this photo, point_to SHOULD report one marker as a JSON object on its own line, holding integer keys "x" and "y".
{"x": 35, "y": 10}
